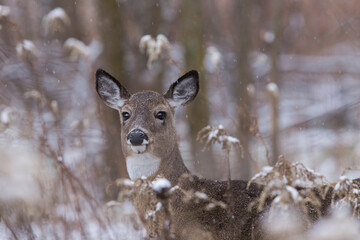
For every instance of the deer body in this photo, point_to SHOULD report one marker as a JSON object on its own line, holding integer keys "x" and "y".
{"x": 151, "y": 150}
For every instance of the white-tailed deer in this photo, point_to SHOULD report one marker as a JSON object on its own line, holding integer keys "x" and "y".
{"x": 149, "y": 145}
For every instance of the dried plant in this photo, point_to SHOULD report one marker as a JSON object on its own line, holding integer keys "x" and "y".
{"x": 47, "y": 192}
{"x": 292, "y": 185}
{"x": 153, "y": 47}
{"x": 289, "y": 185}
{"x": 55, "y": 21}
{"x": 162, "y": 197}
{"x": 78, "y": 49}
{"x": 26, "y": 49}
{"x": 210, "y": 135}
{"x": 289, "y": 191}
{"x": 50, "y": 139}
{"x": 4, "y": 11}
{"x": 156, "y": 193}
{"x": 347, "y": 192}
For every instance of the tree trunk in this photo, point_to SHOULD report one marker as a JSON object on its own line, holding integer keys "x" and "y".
{"x": 275, "y": 78}
{"x": 111, "y": 31}
{"x": 192, "y": 38}
{"x": 243, "y": 79}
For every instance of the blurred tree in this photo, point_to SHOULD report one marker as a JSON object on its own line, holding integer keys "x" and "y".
{"x": 192, "y": 26}
{"x": 85, "y": 17}
{"x": 112, "y": 36}
{"x": 243, "y": 79}
{"x": 156, "y": 20}
{"x": 275, "y": 76}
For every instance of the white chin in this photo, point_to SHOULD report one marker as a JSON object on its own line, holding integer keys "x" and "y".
{"x": 138, "y": 149}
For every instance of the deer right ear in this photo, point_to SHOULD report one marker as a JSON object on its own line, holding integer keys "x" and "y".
{"x": 110, "y": 90}
{"x": 184, "y": 90}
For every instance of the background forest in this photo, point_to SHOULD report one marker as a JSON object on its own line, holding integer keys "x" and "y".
{"x": 282, "y": 76}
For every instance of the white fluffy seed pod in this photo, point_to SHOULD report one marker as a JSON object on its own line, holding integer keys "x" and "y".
{"x": 4, "y": 11}
{"x": 273, "y": 89}
{"x": 55, "y": 21}
{"x": 153, "y": 47}
{"x": 26, "y": 49}
{"x": 78, "y": 49}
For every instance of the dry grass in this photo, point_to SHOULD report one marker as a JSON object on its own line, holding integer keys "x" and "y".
{"x": 291, "y": 193}
{"x": 50, "y": 140}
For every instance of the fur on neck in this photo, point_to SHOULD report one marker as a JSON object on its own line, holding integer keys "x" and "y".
{"x": 139, "y": 165}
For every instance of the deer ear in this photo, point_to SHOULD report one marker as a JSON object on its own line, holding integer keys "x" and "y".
{"x": 184, "y": 90}
{"x": 110, "y": 90}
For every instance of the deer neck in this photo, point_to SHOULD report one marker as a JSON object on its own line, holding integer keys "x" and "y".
{"x": 172, "y": 167}
{"x": 142, "y": 165}
{"x": 150, "y": 166}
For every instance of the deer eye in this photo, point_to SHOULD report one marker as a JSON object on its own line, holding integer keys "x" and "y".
{"x": 125, "y": 115}
{"x": 160, "y": 115}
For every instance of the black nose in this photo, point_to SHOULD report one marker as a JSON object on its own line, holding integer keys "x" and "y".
{"x": 136, "y": 137}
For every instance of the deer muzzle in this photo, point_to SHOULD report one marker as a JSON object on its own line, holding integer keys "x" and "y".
{"x": 137, "y": 139}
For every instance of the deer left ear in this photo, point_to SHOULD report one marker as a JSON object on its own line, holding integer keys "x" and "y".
{"x": 184, "y": 90}
{"x": 110, "y": 90}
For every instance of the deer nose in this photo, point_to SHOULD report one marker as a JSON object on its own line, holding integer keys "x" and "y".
{"x": 136, "y": 137}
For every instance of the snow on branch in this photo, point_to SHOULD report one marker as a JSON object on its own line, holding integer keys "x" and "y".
{"x": 347, "y": 191}
{"x": 79, "y": 49}
{"x": 153, "y": 47}
{"x": 26, "y": 48}
{"x": 290, "y": 184}
{"x": 55, "y": 21}
{"x": 287, "y": 184}
{"x": 211, "y": 135}
{"x": 4, "y": 11}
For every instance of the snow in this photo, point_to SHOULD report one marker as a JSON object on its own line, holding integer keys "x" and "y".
{"x": 150, "y": 214}
{"x": 218, "y": 134}
{"x": 283, "y": 225}
{"x": 52, "y": 20}
{"x": 78, "y": 49}
{"x": 201, "y": 195}
{"x": 144, "y": 42}
{"x": 343, "y": 178}
{"x": 213, "y": 134}
{"x": 5, "y": 115}
{"x": 210, "y": 206}
{"x": 158, "y": 206}
{"x": 339, "y": 226}
{"x": 56, "y": 13}
{"x": 128, "y": 183}
{"x": 266, "y": 170}
{"x": 273, "y": 89}
{"x": 160, "y": 185}
{"x": 333, "y": 73}
{"x": 212, "y": 59}
{"x": 294, "y": 193}
{"x": 4, "y": 11}
{"x": 26, "y": 48}
{"x": 269, "y": 36}
{"x": 260, "y": 63}
{"x": 228, "y": 139}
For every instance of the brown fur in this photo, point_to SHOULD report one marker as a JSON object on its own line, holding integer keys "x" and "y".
{"x": 188, "y": 218}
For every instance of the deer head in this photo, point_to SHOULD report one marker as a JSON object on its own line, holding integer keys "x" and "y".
{"x": 147, "y": 121}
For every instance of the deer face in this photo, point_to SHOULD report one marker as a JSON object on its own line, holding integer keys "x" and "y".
{"x": 147, "y": 118}
{"x": 147, "y": 125}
